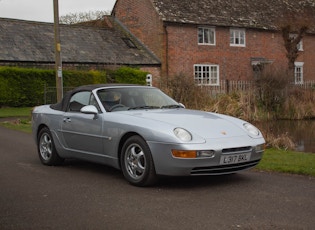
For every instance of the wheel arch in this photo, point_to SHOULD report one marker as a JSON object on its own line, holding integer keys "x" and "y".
{"x": 40, "y": 127}
{"x": 123, "y": 139}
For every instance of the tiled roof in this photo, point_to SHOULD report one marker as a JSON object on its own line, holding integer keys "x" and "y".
{"x": 260, "y": 14}
{"x": 34, "y": 42}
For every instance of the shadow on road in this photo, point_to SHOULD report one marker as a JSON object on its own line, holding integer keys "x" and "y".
{"x": 164, "y": 182}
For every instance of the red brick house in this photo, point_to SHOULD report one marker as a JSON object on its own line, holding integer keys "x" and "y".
{"x": 217, "y": 40}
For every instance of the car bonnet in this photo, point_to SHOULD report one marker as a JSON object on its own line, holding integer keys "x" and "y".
{"x": 204, "y": 124}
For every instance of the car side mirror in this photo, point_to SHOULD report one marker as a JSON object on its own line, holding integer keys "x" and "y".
{"x": 90, "y": 109}
{"x": 182, "y": 105}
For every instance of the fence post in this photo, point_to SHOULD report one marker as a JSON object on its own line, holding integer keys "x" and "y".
{"x": 227, "y": 82}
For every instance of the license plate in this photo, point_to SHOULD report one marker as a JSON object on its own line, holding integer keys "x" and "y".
{"x": 234, "y": 159}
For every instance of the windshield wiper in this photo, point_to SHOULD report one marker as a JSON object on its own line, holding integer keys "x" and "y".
{"x": 171, "y": 106}
{"x": 143, "y": 107}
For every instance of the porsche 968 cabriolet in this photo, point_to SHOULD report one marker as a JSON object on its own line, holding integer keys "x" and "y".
{"x": 144, "y": 133}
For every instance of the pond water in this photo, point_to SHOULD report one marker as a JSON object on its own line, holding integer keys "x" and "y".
{"x": 301, "y": 132}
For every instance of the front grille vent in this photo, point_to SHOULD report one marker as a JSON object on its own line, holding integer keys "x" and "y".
{"x": 223, "y": 169}
{"x": 237, "y": 150}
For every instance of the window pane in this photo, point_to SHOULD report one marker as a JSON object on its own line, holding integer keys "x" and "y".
{"x": 298, "y": 74}
{"x": 232, "y": 37}
{"x": 242, "y": 37}
{"x": 206, "y": 36}
{"x": 200, "y": 35}
{"x": 212, "y": 36}
{"x": 237, "y": 37}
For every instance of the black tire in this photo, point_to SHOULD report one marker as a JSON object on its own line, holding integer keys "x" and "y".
{"x": 46, "y": 148}
{"x": 136, "y": 162}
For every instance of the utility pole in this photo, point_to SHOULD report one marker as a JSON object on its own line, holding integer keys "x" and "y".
{"x": 58, "y": 62}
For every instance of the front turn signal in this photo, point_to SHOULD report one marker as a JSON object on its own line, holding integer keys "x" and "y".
{"x": 184, "y": 153}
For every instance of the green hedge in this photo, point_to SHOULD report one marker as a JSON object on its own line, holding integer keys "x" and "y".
{"x": 129, "y": 76}
{"x": 23, "y": 87}
{"x": 20, "y": 87}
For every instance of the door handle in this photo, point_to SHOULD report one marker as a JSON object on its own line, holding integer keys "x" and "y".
{"x": 67, "y": 120}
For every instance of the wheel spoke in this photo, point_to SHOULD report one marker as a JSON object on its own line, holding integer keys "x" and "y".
{"x": 46, "y": 147}
{"x": 135, "y": 161}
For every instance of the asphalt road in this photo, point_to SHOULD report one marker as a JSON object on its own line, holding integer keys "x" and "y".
{"x": 81, "y": 195}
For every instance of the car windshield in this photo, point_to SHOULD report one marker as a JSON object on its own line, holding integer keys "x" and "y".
{"x": 135, "y": 98}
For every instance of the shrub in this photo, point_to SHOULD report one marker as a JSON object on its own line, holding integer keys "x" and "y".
{"x": 183, "y": 90}
{"x": 129, "y": 75}
{"x": 271, "y": 88}
{"x": 25, "y": 87}
{"x": 22, "y": 87}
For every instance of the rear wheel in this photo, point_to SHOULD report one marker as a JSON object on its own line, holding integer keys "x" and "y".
{"x": 46, "y": 148}
{"x": 136, "y": 162}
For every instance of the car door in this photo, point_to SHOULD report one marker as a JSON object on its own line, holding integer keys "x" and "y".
{"x": 82, "y": 132}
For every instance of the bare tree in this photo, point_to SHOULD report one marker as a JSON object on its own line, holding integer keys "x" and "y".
{"x": 292, "y": 37}
{"x": 75, "y": 18}
{"x": 294, "y": 27}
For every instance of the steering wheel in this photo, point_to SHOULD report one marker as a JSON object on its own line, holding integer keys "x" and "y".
{"x": 116, "y": 106}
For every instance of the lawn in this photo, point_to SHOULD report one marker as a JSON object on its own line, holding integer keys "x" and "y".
{"x": 288, "y": 162}
{"x": 15, "y": 112}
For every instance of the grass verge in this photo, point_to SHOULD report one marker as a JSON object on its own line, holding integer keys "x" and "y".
{"x": 23, "y": 125}
{"x": 288, "y": 162}
{"x": 15, "y": 112}
{"x": 18, "y": 118}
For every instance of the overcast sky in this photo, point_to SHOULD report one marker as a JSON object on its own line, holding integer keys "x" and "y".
{"x": 42, "y": 10}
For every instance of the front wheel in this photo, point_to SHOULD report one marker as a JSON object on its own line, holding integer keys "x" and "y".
{"x": 46, "y": 149}
{"x": 136, "y": 162}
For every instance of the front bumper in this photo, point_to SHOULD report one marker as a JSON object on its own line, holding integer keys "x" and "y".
{"x": 166, "y": 164}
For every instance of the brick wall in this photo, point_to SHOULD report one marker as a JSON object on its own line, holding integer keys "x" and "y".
{"x": 308, "y": 57}
{"x": 234, "y": 62}
{"x": 177, "y": 45}
{"x": 142, "y": 20}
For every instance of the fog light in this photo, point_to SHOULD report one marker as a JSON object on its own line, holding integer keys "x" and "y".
{"x": 184, "y": 153}
{"x": 206, "y": 153}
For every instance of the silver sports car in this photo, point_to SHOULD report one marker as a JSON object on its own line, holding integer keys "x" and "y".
{"x": 144, "y": 133}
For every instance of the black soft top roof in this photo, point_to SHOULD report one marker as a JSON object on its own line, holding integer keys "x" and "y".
{"x": 63, "y": 104}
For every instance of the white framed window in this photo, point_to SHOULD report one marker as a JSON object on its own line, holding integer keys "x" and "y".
{"x": 237, "y": 37}
{"x": 299, "y": 46}
{"x": 206, "y": 36}
{"x": 206, "y": 74}
{"x": 298, "y": 72}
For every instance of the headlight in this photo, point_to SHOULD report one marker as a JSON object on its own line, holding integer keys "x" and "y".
{"x": 251, "y": 129}
{"x": 182, "y": 134}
